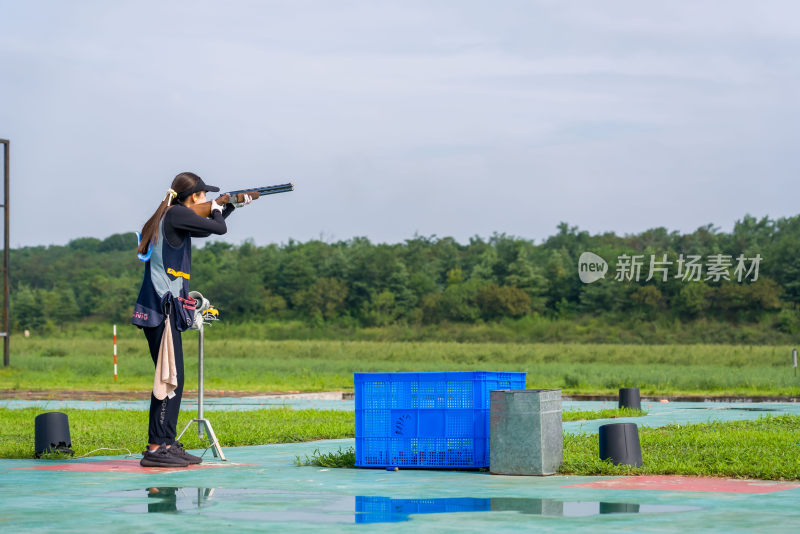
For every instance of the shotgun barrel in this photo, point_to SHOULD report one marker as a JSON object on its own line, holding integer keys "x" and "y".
{"x": 268, "y": 190}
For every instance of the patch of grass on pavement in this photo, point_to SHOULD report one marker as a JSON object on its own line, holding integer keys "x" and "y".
{"x": 341, "y": 458}
{"x": 611, "y": 413}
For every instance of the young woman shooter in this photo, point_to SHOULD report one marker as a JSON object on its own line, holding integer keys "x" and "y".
{"x": 164, "y": 308}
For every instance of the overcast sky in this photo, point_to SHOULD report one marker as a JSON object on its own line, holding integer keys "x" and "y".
{"x": 392, "y": 118}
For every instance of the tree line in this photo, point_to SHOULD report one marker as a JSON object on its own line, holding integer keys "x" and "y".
{"x": 430, "y": 279}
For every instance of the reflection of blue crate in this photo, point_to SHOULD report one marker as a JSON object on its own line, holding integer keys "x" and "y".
{"x": 384, "y": 509}
{"x": 426, "y": 419}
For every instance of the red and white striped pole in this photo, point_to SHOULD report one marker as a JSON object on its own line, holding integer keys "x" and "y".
{"x": 115, "y": 353}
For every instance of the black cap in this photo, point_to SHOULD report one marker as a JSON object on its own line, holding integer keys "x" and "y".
{"x": 199, "y": 186}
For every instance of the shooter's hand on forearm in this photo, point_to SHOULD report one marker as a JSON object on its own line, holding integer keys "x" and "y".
{"x": 215, "y": 206}
{"x": 247, "y": 199}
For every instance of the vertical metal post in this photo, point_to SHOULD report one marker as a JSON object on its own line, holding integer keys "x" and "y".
{"x": 6, "y": 336}
{"x": 202, "y": 422}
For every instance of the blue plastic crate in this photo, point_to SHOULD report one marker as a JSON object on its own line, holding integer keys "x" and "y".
{"x": 436, "y": 420}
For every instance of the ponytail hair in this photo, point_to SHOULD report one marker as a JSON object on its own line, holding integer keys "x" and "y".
{"x": 182, "y": 182}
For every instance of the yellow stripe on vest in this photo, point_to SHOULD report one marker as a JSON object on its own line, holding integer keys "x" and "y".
{"x": 176, "y": 274}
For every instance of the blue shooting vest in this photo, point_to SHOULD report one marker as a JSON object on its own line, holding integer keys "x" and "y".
{"x": 166, "y": 285}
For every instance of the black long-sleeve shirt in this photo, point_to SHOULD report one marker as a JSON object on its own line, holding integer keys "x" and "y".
{"x": 180, "y": 222}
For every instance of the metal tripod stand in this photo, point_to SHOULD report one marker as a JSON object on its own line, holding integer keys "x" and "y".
{"x": 202, "y": 316}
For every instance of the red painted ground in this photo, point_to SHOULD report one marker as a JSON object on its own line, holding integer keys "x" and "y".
{"x": 119, "y": 466}
{"x": 681, "y": 483}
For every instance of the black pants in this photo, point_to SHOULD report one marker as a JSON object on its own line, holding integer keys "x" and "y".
{"x": 164, "y": 413}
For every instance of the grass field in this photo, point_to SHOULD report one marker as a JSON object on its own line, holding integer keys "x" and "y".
{"x": 625, "y": 329}
{"x": 82, "y": 360}
{"x": 766, "y": 448}
{"x": 118, "y": 429}
{"x": 710, "y": 449}
{"x": 91, "y": 429}
{"x": 86, "y": 363}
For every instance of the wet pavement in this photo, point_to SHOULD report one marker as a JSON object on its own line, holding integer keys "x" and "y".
{"x": 261, "y": 489}
{"x": 303, "y": 401}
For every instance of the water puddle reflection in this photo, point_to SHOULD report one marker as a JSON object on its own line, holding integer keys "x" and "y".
{"x": 168, "y": 499}
{"x": 244, "y": 504}
{"x": 273, "y": 506}
{"x": 384, "y": 509}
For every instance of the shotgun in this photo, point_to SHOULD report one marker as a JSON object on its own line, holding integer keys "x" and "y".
{"x": 204, "y": 209}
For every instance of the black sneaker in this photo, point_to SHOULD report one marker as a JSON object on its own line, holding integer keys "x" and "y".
{"x": 178, "y": 451}
{"x": 161, "y": 457}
